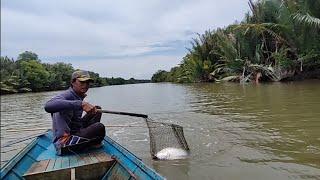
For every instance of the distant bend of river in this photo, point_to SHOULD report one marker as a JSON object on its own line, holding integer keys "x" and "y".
{"x": 264, "y": 131}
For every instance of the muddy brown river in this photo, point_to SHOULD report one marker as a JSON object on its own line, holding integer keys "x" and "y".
{"x": 264, "y": 131}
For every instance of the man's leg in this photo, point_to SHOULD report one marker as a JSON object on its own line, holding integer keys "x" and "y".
{"x": 92, "y": 133}
{"x": 93, "y": 129}
{"x": 84, "y": 139}
{"x": 95, "y": 132}
{"x": 89, "y": 119}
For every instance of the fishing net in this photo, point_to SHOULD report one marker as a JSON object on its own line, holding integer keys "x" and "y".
{"x": 167, "y": 140}
{"x": 165, "y": 135}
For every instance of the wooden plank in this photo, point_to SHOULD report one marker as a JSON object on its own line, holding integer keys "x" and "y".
{"x": 65, "y": 162}
{"x": 117, "y": 172}
{"x": 93, "y": 171}
{"x": 80, "y": 160}
{"x": 51, "y": 164}
{"x": 51, "y": 175}
{"x": 97, "y": 155}
{"x": 102, "y": 156}
{"x": 86, "y": 158}
{"x": 38, "y": 167}
{"x": 58, "y": 163}
{"x": 73, "y": 160}
{"x": 93, "y": 165}
{"x": 73, "y": 174}
{"x": 93, "y": 158}
{"x": 92, "y": 168}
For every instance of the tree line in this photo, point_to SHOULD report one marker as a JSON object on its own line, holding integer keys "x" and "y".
{"x": 277, "y": 40}
{"x": 29, "y": 74}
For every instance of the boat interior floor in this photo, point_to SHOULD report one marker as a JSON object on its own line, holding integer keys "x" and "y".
{"x": 91, "y": 165}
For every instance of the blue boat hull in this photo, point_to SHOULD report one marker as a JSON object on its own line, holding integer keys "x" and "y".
{"x": 126, "y": 166}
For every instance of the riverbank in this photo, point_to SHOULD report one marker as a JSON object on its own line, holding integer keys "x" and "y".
{"x": 3, "y": 92}
{"x": 305, "y": 76}
{"x": 259, "y": 78}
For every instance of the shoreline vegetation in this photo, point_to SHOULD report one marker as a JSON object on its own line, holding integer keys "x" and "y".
{"x": 278, "y": 40}
{"x": 28, "y": 74}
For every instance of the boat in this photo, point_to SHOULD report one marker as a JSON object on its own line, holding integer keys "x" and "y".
{"x": 38, "y": 160}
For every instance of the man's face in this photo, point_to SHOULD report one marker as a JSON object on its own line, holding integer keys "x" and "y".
{"x": 80, "y": 87}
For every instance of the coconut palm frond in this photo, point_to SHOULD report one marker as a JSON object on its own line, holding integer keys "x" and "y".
{"x": 260, "y": 29}
{"x": 307, "y": 19}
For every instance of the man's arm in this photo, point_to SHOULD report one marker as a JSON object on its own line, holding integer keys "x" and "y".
{"x": 59, "y": 103}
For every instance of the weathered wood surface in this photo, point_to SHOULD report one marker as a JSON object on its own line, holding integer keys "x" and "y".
{"x": 40, "y": 166}
{"x": 84, "y": 166}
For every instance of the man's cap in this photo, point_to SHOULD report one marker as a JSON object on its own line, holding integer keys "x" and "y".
{"x": 81, "y": 75}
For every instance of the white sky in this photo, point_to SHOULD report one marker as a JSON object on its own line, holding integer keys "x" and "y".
{"x": 113, "y": 38}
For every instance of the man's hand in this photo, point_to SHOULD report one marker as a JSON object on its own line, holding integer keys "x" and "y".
{"x": 89, "y": 108}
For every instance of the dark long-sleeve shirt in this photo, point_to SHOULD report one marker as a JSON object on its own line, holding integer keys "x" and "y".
{"x": 66, "y": 111}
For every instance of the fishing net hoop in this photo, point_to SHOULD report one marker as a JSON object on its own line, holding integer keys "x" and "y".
{"x": 163, "y": 135}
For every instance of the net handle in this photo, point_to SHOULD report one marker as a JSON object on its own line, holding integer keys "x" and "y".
{"x": 123, "y": 113}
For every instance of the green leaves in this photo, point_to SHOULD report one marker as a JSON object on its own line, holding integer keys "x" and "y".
{"x": 160, "y": 76}
{"x": 35, "y": 73}
{"x": 277, "y": 38}
{"x": 307, "y": 19}
{"x": 28, "y": 56}
{"x": 29, "y": 74}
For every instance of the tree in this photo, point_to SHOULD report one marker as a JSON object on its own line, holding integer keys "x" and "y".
{"x": 60, "y": 75}
{"x": 160, "y": 76}
{"x": 36, "y": 74}
{"x": 28, "y": 56}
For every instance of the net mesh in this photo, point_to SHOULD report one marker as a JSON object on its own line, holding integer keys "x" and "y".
{"x": 164, "y": 135}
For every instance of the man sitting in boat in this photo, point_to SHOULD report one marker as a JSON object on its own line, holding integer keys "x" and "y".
{"x": 71, "y": 131}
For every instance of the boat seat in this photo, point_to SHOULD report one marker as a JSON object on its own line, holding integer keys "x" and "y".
{"x": 80, "y": 166}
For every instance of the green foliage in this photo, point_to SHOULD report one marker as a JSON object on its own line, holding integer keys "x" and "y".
{"x": 120, "y": 81}
{"x": 28, "y": 56}
{"x": 277, "y": 38}
{"x": 29, "y": 74}
{"x": 282, "y": 60}
{"x": 307, "y": 19}
{"x": 60, "y": 74}
{"x": 98, "y": 81}
{"x": 160, "y": 76}
{"x": 8, "y": 68}
{"x": 9, "y": 73}
{"x": 35, "y": 73}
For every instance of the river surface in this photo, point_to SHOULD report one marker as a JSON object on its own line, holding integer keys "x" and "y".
{"x": 265, "y": 131}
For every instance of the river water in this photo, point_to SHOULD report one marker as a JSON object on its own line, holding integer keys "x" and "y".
{"x": 264, "y": 131}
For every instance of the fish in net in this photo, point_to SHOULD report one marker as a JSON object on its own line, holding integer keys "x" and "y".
{"x": 167, "y": 141}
